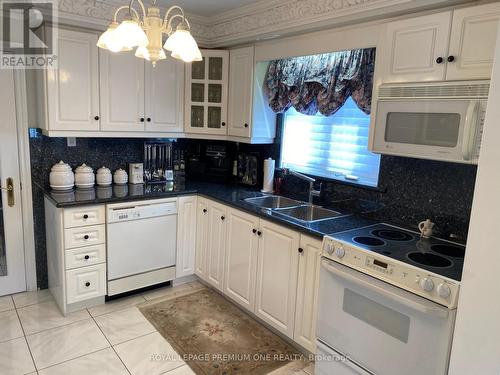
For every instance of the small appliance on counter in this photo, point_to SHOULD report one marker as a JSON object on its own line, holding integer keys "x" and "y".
{"x": 84, "y": 177}
{"x": 210, "y": 163}
{"x": 136, "y": 173}
{"x": 61, "y": 177}
{"x": 158, "y": 166}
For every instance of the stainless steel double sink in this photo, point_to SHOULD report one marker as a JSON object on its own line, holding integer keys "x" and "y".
{"x": 291, "y": 208}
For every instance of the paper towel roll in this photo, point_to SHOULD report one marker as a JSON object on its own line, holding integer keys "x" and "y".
{"x": 268, "y": 175}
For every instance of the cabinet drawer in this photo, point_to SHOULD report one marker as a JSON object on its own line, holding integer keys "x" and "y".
{"x": 85, "y": 256}
{"x": 85, "y": 283}
{"x": 84, "y": 236}
{"x": 81, "y": 216}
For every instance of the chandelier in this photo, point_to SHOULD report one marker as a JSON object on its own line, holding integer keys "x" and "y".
{"x": 146, "y": 35}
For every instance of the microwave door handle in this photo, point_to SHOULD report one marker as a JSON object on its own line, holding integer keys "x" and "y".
{"x": 403, "y": 298}
{"x": 470, "y": 125}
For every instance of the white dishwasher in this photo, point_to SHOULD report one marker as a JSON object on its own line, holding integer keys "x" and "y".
{"x": 142, "y": 243}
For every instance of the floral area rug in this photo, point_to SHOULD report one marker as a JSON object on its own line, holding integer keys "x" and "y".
{"x": 214, "y": 337}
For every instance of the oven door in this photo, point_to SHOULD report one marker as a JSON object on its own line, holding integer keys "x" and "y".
{"x": 428, "y": 129}
{"x": 382, "y": 328}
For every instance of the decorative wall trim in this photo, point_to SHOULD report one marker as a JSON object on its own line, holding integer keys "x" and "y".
{"x": 261, "y": 20}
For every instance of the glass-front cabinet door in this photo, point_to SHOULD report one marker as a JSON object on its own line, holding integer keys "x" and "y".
{"x": 206, "y": 93}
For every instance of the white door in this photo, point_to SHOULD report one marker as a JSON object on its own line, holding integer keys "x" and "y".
{"x": 73, "y": 89}
{"x": 206, "y": 93}
{"x": 12, "y": 270}
{"x": 164, "y": 93}
{"x": 122, "y": 92}
{"x": 277, "y": 267}
{"x": 417, "y": 48}
{"x": 473, "y": 40}
{"x": 201, "y": 238}
{"x": 307, "y": 292}
{"x": 186, "y": 241}
{"x": 241, "y": 68}
{"x": 242, "y": 242}
{"x": 216, "y": 244}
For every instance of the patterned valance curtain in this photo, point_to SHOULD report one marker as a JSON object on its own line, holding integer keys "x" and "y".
{"x": 321, "y": 82}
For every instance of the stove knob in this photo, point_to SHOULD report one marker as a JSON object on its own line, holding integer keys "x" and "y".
{"x": 340, "y": 252}
{"x": 427, "y": 284}
{"x": 329, "y": 248}
{"x": 443, "y": 290}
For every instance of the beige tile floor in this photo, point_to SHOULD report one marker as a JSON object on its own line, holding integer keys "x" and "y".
{"x": 111, "y": 339}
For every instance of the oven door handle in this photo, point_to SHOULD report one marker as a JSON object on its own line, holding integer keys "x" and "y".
{"x": 377, "y": 286}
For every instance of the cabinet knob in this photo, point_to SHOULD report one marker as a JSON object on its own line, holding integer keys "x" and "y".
{"x": 451, "y": 58}
{"x": 254, "y": 231}
{"x": 87, "y": 257}
{"x": 85, "y": 217}
{"x": 259, "y": 233}
{"x": 204, "y": 210}
{"x": 87, "y": 284}
{"x": 439, "y": 60}
{"x": 223, "y": 124}
{"x": 96, "y": 118}
{"x": 86, "y": 237}
{"x": 142, "y": 119}
{"x": 222, "y": 218}
{"x": 246, "y": 125}
{"x": 301, "y": 250}
{"x": 148, "y": 119}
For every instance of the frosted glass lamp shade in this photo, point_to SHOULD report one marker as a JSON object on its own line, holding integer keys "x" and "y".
{"x": 131, "y": 34}
{"x": 183, "y": 46}
{"x": 109, "y": 40}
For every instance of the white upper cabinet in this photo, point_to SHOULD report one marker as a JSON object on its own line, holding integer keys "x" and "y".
{"x": 122, "y": 92}
{"x": 472, "y": 44}
{"x": 417, "y": 48}
{"x": 455, "y": 45}
{"x": 73, "y": 89}
{"x": 164, "y": 96}
{"x": 206, "y": 94}
{"x": 241, "y": 70}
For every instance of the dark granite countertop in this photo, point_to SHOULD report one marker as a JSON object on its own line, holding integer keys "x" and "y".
{"x": 231, "y": 195}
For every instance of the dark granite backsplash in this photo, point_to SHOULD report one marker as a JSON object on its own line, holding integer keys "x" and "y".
{"x": 411, "y": 190}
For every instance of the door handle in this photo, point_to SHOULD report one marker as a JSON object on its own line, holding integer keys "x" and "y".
{"x": 10, "y": 192}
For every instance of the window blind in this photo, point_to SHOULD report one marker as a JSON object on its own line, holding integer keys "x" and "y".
{"x": 334, "y": 147}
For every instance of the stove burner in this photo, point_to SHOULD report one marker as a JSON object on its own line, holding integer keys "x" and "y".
{"x": 428, "y": 259}
{"x": 369, "y": 241}
{"x": 392, "y": 234}
{"x": 449, "y": 250}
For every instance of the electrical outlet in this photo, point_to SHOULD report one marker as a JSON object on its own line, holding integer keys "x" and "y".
{"x": 71, "y": 141}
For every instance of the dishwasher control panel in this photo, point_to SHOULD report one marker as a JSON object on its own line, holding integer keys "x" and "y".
{"x": 138, "y": 212}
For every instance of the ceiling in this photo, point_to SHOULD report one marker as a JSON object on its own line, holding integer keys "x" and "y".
{"x": 205, "y": 8}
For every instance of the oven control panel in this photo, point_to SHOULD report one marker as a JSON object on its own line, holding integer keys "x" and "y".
{"x": 413, "y": 279}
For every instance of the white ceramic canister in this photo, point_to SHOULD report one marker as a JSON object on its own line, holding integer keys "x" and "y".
{"x": 61, "y": 177}
{"x": 120, "y": 177}
{"x": 104, "y": 177}
{"x": 84, "y": 176}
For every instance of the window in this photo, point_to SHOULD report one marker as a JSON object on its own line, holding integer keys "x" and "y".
{"x": 334, "y": 147}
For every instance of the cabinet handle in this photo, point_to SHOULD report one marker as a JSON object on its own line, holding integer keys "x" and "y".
{"x": 222, "y": 218}
{"x": 259, "y": 233}
{"x": 439, "y": 60}
{"x": 87, "y": 257}
{"x": 87, "y": 284}
{"x": 86, "y": 237}
{"x": 254, "y": 231}
{"x": 204, "y": 210}
{"x": 451, "y": 58}
{"x": 142, "y": 119}
{"x": 223, "y": 124}
{"x": 301, "y": 250}
{"x": 96, "y": 118}
{"x": 85, "y": 217}
{"x": 148, "y": 119}
{"x": 246, "y": 125}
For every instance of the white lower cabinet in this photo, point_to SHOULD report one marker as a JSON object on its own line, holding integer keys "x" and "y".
{"x": 307, "y": 292}
{"x": 200, "y": 268}
{"x": 186, "y": 241}
{"x": 76, "y": 255}
{"x": 240, "y": 267}
{"x": 216, "y": 244}
{"x": 277, "y": 266}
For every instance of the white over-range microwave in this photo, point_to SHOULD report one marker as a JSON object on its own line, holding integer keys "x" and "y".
{"x": 438, "y": 121}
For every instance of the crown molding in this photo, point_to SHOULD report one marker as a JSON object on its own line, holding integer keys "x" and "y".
{"x": 261, "y": 20}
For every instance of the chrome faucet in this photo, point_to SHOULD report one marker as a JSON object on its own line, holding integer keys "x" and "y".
{"x": 312, "y": 193}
